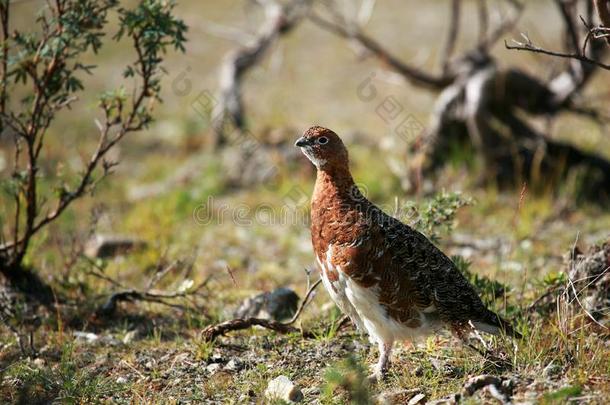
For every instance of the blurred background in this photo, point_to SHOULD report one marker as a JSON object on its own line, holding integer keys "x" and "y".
{"x": 188, "y": 191}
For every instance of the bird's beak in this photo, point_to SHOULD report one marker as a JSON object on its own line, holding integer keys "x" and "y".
{"x": 302, "y": 141}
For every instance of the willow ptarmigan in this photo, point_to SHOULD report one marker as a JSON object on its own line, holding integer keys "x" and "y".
{"x": 388, "y": 278}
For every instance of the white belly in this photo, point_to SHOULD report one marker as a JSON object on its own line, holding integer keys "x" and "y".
{"x": 362, "y": 305}
{"x": 380, "y": 326}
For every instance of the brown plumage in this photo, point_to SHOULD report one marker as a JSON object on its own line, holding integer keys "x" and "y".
{"x": 392, "y": 282}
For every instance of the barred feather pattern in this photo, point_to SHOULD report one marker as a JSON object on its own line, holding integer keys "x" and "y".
{"x": 389, "y": 278}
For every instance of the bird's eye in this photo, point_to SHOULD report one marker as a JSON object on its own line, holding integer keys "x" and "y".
{"x": 322, "y": 140}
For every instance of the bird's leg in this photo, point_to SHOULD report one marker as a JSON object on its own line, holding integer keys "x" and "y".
{"x": 380, "y": 370}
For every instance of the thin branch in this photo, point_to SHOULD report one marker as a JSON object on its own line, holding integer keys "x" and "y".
{"x": 149, "y": 295}
{"x": 412, "y": 74}
{"x": 604, "y": 14}
{"x": 530, "y": 47}
{"x": 483, "y": 14}
{"x": 567, "y": 10}
{"x": 213, "y": 331}
{"x": 504, "y": 26}
{"x": 452, "y": 33}
{"x": 279, "y": 20}
{"x": 304, "y": 303}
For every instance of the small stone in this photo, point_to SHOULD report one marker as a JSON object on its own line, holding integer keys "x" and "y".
{"x": 234, "y": 365}
{"x": 121, "y": 380}
{"x": 148, "y": 365}
{"x": 38, "y": 362}
{"x": 279, "y": 304}
{"x": 417, "y": 399}
{"x": 87, "y": 337}
{"x": 213, "y": 368}
{"x": 281, "y": 388}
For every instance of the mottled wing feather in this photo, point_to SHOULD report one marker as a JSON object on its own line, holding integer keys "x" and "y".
{"x": 420, "y": 275}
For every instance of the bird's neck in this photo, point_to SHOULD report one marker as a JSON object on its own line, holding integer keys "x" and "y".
{"x": 334, "y": 183}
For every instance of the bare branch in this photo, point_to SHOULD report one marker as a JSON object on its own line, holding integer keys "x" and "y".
{"x": 213, "y": 331}
{"x": 483, "y": 15}
{"x": 412, "y": 74}
{"x": 503, "y": 26}
{"x": 279, "y": 20}
{"x": 604, "y": 14}
{"x": 452, "y": 33}
{"x": 530, "y": 47}
{"x": 568, "y": 10}
{"x": 148, "y": 294}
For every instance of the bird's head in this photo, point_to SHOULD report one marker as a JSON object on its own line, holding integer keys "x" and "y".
{"x": 324, "y": 148}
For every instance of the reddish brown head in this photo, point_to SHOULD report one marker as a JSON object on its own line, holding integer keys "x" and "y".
{"x": 324, "y": 148}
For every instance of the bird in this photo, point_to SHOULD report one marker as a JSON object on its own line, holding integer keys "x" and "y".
{"x": 392, "y": 282}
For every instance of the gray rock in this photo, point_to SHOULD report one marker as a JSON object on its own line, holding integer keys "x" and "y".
{"x": 105, "y": 246}
{"x": 417, "y": 399}
{"x": 213, "y": 368}
{"x": 281, "y": 388}
{"x": 234, "y": 365}
{"x": 279, "y": 304}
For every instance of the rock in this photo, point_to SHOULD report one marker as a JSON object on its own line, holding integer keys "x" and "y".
{"x": 234, "y": 365}
{"x": 87, "y": 337}
{"x": 281, "y": 388}
{"x": 121, "y": 380}
{"x": 40, "y": 363}
{"x": 498, "y": 387}
{"x": 399, "y": 397}
{"x": 417, "y": 399}
{"x": 213, "y": 368}
{"x": 279, "y": 304}
{"x": 104, "y": 246}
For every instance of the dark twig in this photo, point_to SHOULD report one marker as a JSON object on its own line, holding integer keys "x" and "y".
{"x": 604, "y": 14}
{"x": 213, "y": 331}
{"x": 414, "y": 75}
{"x": 149, "y": 295}
{"x": 305, "y": 302}
{"x": 530, "y": 47}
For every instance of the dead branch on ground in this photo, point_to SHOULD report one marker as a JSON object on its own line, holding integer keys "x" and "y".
{"x": 149, "y": 293}
{"x": 213, "y": 331}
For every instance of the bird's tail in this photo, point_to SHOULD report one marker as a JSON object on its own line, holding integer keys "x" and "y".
{"x": 496, "y": 325}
